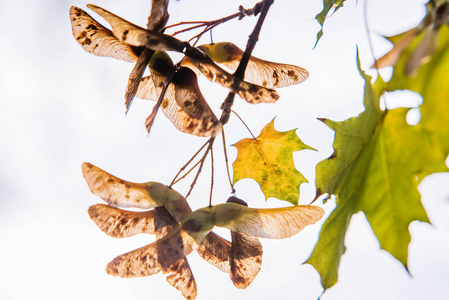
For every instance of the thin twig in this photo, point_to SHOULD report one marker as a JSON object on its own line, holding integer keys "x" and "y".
{"x": 188, "y": 163}
{"x": 227, "y": 161}
{"x": 185, "y": 175}
{"x": 192, "y": 185}
{"x": 209, "y": 25}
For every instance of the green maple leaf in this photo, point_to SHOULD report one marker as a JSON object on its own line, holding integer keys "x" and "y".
{"x": 268, "y": 160}
{"x": 432, "y": 82}
{"x": 377, "y": 164}
{"x": 321, "y": 17}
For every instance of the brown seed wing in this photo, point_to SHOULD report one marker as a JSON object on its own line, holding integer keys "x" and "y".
{"x": 183, "y": 103}
{"x": 246, "y": 259}
{"x": 270, "y": 74}
{"x": 251, "y": 93}
{"x": 146, "y": 89}
{"x": 115, "y": 191}
{"x": 154, "y": 84}
{"x": 121, "y": 223}
{"x": 135, "y": 77}
{"x": 134, "y": 35}
{"x": 194, "y": 113}
{"x": 154, "y": 257}
{"x": 276, "y": 223}
{"x": 179, "y": 274}
{"x": 217, "y": 251}
{"x": 96, "y": 39}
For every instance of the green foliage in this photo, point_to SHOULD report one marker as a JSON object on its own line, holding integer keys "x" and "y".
{"x": 377, "y": 164}
{"x": 328, "y": 5}
{"x": 432, "y": 82}
{"x": 268, "y": 160}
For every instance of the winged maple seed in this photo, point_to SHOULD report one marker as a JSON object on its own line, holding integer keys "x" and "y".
{"x": 121, "y": 223}
{"x": 183, "y": 103}
{"x": 134, "y": 35}
{"x": 156, "y": 21}
{"x": 267, "y": 223}
{"x": 246, "y": 257}
{"x": 251, "y": 93}
{"x": 85, "y": 25}
{"x": 265, "y": 73}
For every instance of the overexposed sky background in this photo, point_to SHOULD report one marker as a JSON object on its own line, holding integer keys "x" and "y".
{"x": 61, "y": 106}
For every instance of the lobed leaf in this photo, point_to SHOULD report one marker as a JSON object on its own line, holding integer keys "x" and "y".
{"x": 268, "y": 160}
{"x": 377, "y": 164}
{"x": 432, "y": 83}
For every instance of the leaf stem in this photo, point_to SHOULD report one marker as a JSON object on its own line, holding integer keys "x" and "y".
{"x": 212, "y": 176}
{"x": 227, "y": 161}
{"x": 249, "y": 130}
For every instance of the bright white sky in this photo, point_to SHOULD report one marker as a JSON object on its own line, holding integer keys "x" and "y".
{"x": 61, "y": 106}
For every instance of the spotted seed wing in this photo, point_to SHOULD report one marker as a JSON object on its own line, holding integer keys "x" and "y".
{"x": 258, "y": 71}
{"x": 217, "y": 251}
{"x": 121, "y": 193}
{"x": 194, "y": 114}
{"x": 246, "y": 256}
{"x": 273, "y": 223}
{"x": 179, "y": 274}
{"x": 121, "y": 223}
{"x": 137, "y": 36}
{"x": 246, "y": 259}
{"x": 153, "y": 258}
{"x": 183, "y": 103}
{"x": 96, "y": 39}
{"x": 251, "y": 93}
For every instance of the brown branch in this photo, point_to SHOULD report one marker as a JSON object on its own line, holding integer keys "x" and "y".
{"x": 240, "y": 72}
{"x": 261, "y": 7}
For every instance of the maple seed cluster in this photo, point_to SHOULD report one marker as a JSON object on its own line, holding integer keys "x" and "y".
{"x": 182, "y": 101}
{"x": 174, "y": 87}
{"x": 179, "y": 231}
